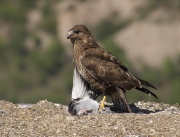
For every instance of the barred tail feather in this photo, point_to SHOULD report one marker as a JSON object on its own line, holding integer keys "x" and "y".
{"x": 147, "y": 91}
{"x": 145, "y": 83}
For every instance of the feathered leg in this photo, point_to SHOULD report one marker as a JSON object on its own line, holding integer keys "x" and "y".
{"x": 120, "y": 101}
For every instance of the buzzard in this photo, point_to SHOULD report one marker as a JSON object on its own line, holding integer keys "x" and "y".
{"x": 103, "y": 71}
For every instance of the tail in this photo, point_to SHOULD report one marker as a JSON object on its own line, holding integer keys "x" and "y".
{"x": 120, "y": 101}
{"x": 147, "y": 91}
{"x": 145, "y": 83}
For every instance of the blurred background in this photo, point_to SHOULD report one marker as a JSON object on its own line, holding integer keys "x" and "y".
{"x": 36, "y": 58}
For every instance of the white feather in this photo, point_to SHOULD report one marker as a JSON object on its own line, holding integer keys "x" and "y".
{"x": 80, "y": 88}
{"x": 86, "y": 103}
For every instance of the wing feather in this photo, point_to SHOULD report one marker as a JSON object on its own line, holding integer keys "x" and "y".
{"x": 100, "y": 52}
{"x": 103, "y": 68}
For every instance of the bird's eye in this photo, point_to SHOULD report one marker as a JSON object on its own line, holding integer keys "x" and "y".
{"x": 76, "y": 31}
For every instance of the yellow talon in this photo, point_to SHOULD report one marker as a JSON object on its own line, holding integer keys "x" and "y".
{"x": 101, "y": 106}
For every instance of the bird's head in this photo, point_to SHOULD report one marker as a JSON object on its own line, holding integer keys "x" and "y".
{"x": 77, "y": 32}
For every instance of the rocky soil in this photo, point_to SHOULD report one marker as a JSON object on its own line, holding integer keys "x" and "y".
{"x": 50, "y": 119}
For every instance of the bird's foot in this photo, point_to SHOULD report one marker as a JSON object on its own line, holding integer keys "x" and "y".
{"x": 84, "y": 112}
{"x": 101, "y": 107}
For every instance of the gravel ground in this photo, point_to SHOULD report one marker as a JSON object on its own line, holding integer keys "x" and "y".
{"x": 50, "y": 119}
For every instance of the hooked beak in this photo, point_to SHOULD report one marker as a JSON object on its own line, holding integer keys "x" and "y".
{"x": 69, "y": 34}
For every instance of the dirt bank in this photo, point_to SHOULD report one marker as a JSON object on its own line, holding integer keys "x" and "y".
{"x": 49, "y": 119}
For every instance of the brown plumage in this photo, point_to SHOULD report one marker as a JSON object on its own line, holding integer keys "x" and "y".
{"x": 102, "y": 70}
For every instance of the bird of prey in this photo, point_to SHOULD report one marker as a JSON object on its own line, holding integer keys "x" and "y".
{"x": 103, "y": 71}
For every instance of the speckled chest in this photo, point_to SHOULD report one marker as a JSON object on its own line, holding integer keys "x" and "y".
{"x": 78, "y": 56}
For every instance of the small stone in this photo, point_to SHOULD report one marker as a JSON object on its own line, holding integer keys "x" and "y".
{"x": 69, "y": 118}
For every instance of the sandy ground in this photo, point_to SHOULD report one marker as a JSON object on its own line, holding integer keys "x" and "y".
{"x": 49, "y": 119}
